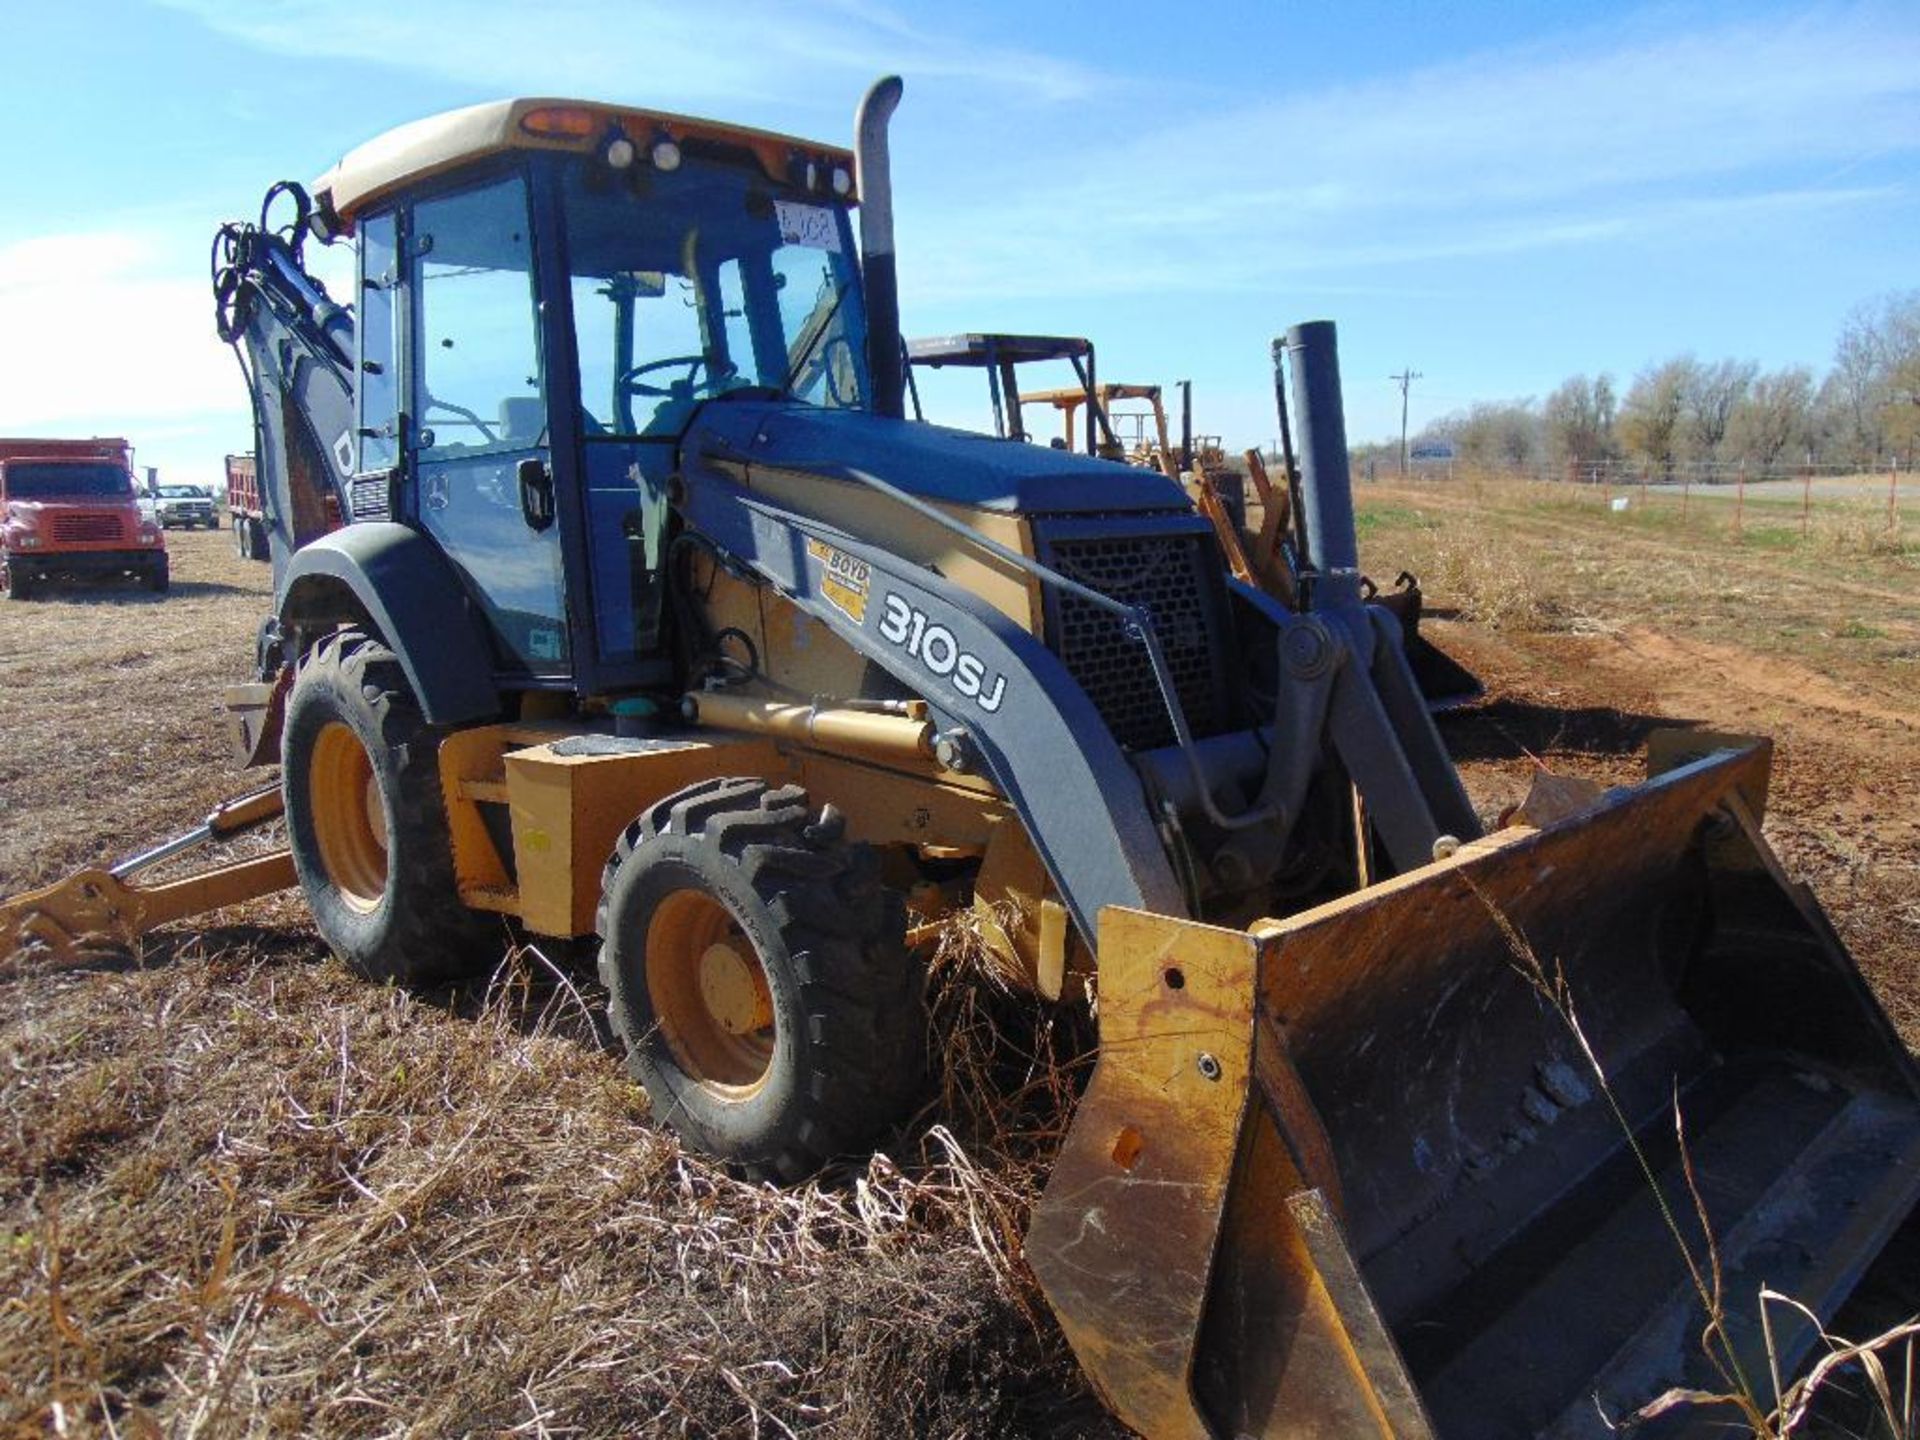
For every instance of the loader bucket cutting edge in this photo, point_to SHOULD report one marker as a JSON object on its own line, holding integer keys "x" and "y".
{"x": 1353, "y": 1172}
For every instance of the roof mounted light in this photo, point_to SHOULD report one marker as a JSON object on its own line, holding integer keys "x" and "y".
{"x": 560, "y": 122}
{"x": 665, "y": 154}
{"x": 842, "y": 181}
{"x": 619, "y": 151}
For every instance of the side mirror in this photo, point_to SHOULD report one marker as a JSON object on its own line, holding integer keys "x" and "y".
{"x": 536, "y": 493}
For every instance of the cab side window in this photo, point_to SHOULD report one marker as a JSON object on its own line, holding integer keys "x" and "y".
{"x": 378, "y": 422}
{"x": 478, "y": 379}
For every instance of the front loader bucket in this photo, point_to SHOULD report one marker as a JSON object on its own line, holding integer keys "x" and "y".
{"x": 1407, "y": 1164}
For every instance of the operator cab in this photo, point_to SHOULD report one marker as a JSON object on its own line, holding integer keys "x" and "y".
{"x": 548, "y": 293}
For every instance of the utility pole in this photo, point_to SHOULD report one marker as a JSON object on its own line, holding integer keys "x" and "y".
{"x": 1405, "y": 381}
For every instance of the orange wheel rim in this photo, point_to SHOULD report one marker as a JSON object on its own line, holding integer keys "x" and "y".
{"x": 349, "y": 820}
{"x": 710, "y": 994}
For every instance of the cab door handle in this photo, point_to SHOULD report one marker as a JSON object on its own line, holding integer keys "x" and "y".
{"x": 536, "y": 493}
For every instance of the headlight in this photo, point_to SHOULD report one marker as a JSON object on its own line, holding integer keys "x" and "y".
{"x": 149, "y": 532}
{"x": 26, "y": 542}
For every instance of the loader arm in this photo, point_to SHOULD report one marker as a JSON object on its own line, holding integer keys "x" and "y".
{"x": 1033, "y": 729}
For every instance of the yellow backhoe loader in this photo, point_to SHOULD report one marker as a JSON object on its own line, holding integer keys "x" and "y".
{"x": 642, "y": 613}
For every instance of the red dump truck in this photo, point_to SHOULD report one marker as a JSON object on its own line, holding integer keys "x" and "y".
{"x": 246, "y": 510}
{"x": 67, "y": 509}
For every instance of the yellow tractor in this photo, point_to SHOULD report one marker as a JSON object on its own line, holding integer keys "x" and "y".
{"x": 614, "y": 594}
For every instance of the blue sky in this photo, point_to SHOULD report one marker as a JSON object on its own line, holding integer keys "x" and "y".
{"x": 1498, "y": 194}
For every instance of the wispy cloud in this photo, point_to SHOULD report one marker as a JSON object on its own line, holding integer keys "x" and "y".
{"x": 84, "y": 312}
{"x": 1599, "y": 137}
{"x": 669, "y": 53}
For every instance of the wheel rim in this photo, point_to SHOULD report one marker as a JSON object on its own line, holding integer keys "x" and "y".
{"x": 710, "y": 994}
{"x": 349, "y": 820}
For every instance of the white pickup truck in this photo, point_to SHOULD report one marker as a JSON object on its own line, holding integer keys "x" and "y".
{"x": 184, "y": 505}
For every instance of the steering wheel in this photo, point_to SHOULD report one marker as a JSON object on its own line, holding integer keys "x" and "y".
{"x": 629, "y": 380}
{"x": 462, "y": 412}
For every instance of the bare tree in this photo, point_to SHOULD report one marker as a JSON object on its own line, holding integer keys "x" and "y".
{"x": 1879, "y": 339}
{"x": 1900, "y": 416}
{"x": 1712, "y": 393}
{"x": 1775, "y": 417}
{"x": 1578, "y": 419}
{"x": 1652, "y": 415}
{"x": 1501, "y": 435}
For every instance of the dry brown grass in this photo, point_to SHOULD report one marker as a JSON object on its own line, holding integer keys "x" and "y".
{"x": 245, "y": 1194}
{"x": 110, "y": 721}
{"x": 242, "y": 1193}
{"x": 1491, "y": 584}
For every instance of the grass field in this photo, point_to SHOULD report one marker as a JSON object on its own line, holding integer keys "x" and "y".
{"x": 242, "y": 1194}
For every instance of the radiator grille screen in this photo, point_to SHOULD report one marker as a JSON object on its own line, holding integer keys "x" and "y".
{"x": 81, "y": 528}
{"x": 1167, "y": 576}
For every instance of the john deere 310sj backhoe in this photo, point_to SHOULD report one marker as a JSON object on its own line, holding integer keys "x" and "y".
{"x": 652, "y": 619}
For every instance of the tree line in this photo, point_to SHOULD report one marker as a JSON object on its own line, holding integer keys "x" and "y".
{"x": 1706, "y": 416}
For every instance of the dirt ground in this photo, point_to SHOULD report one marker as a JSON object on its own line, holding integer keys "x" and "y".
{"x": 242, "y": 1194}
{"x": 1604, "y": 628}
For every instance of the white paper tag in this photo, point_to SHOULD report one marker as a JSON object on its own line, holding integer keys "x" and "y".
{"x": 810, "y": 225}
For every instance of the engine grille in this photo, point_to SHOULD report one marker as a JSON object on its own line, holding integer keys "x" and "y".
{"x": 83, "y": 528}
{"x": 370, "y": 497}
{"x": 1172, "y": 578}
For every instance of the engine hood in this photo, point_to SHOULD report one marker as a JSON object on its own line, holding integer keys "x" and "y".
{"x": 957, "y": 467}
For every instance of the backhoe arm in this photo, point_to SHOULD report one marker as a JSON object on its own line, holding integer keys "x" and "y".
{"x": 105, "y": 909}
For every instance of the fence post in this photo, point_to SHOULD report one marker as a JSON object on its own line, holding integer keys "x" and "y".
{"x": 1893, "y": 492}
{"x": 1740, "y": 505}
{"x": 1686, "y": 493}
{"x": 1806, "y": 498}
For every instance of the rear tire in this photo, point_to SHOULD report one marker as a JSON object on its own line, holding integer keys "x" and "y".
{"x": 758, "y": 975}
{"x": 366, "y": 821}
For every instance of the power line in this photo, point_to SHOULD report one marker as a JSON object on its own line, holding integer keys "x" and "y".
{"x": 1405, "y": 381}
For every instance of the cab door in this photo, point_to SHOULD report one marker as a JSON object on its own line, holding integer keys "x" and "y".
{"x": 483, "y": 455}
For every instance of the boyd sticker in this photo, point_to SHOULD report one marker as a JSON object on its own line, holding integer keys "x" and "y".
{"x": 844, "y": 580}
{"x": 933, "y": 645}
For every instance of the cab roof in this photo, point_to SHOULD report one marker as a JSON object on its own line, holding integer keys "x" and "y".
{"x": 422, "y": 149}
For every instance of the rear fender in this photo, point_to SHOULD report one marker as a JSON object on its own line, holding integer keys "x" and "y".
{"x": 395, "y": 579}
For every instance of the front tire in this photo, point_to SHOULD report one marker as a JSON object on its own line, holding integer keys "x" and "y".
{"x": 157, "y": 576}
{"x": 366, "y": 820}
{"x": 758, "y": 975}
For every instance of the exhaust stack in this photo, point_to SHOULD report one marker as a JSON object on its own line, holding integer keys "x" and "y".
{"x": 1326, "y": 494}
{"x": 876, "y": 245}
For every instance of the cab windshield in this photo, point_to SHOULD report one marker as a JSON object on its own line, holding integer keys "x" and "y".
{"x": 703, "y": 281}
{"x": 29, "y": 481}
